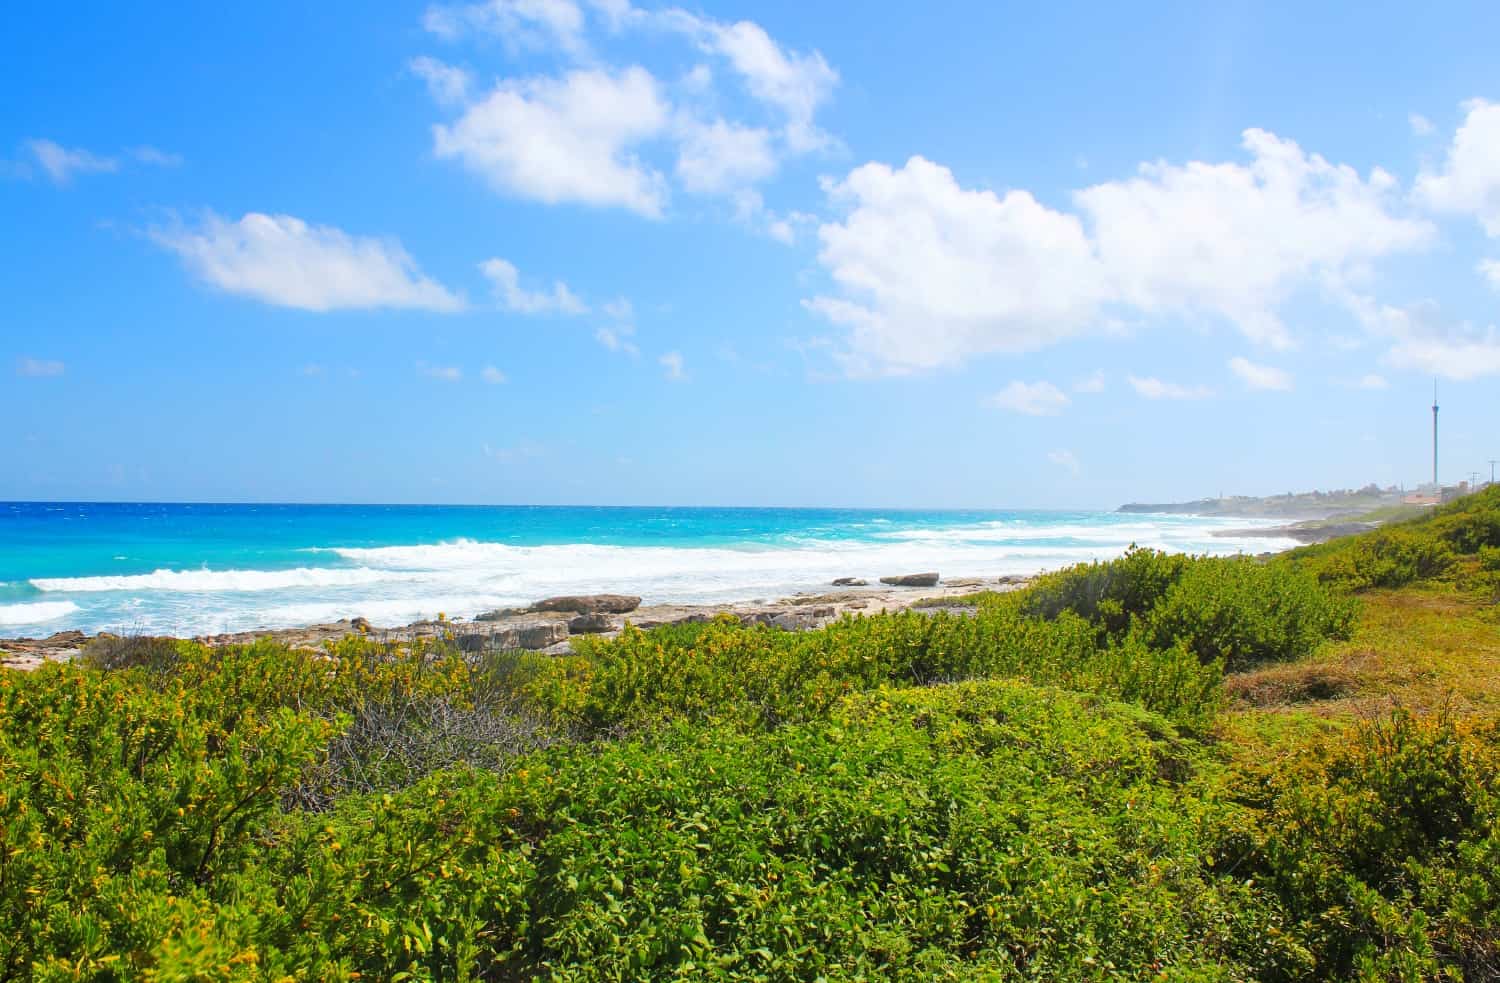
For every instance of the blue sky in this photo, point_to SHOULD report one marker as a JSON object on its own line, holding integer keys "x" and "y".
{"x": 563, "y": 251}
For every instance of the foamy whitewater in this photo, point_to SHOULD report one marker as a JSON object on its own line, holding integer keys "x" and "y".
{"x": 197, "y": 569}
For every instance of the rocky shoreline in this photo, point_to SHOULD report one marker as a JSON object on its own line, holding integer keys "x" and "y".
{"x": 549, "y": 625}
{"x": 1306, "y": 533}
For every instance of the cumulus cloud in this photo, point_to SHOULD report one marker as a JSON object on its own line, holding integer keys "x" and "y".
{"x": 1490, "y": 270}
{"x": 506, "y": 281}
{"x": 569, "y": 139}
{"x": 795, "y": 83}
{"x": 1065, "y": 459}
{"x": 39, "y": 367}
{"x": 1235, "y": 239}
{"x": 1420, "y": 125}
{"x": 156, "y": 157}
{"x": 443, "y": 373}
{"x": 931, "y": 273}
{"x": 1090, "y": 384}
{"x": 493, "y": 375}
{"x": 1030, "y": 398}
{"x": 520, "y": 24}
{"x": 1468, "y": 182}
{"x": 607, "y": 135}
{"x": 1151, "y": 387}
{"x": 61, "y": 164}
{"x": 282, "y": 260}
{"x": 1260, "y": 376}
{"x": 1422, "y": 339}
{"x": 718, "y": 157}
{"x": 672, "y": 364}
{"x": 617, "y": 339}
{"x": 448, "y": 85}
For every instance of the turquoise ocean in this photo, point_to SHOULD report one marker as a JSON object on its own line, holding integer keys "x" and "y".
{"x": 193, "y": 568}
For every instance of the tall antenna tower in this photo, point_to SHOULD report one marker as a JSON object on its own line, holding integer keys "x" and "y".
{"x": 1493, "y": 462}
{"x": 1434, "y": 433}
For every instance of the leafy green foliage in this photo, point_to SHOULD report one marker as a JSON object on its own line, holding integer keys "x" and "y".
{"x": 1386, "y": 848}
{"x": 1447, "y": 544}
{"x": 1229, "y": 610}
{"x": 1031, "y": 791}
{"x": 1246, "y": 613}
{"x": 722, "y": 669}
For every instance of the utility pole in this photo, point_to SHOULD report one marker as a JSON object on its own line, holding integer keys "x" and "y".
{"x": 1493, "y": 462}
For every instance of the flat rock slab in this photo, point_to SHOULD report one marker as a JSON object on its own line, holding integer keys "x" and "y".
{"x": 590, "y": 603}
{"x": 911, "y": 580}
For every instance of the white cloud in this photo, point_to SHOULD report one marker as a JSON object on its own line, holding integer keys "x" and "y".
{"x": 520, "y": 24}
{"x": 620, "y": 309}
{"x": 1490, "y": 270}
{"x": 1260, "y": 376}
{"x": 493, "y": 375}
{"x": 617, "y": 339}
{"x": 1030, "y": 398}
{"x": 62, "y": 164}
{"x": 568, "y": 139}
{"x": 793, "y": 82}
{"x": 1420, "y": 125}
{"x": 443, "y": 373}
{"x": 718, "y": 157}
{"x": 1469, "y": 180}
{"x": 1153, "y": 388}
{"x": 281, "y": 260}
{"x": 447, "y": 84}
{"x": 311, "y": 369}
{"x": 156, "y": 157}
{"x": 1372, "y": 381}
{"x": 40, "y": 367}
{"x": 932, "y": 273}
{"x": 1065, "y": 459}
{"x": 1423, "y": 340}
{"x": 506, "y": 280}
{"x": 1091, "y": 384}
{"x": 672, "y": 363}
{"x": 1235, "y": 239}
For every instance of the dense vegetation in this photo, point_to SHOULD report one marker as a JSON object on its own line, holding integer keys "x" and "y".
{"x": 1056, "y": 786}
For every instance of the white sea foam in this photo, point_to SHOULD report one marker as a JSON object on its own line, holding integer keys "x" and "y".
{"x": 214, "y": 580}
{"x": 393, "y": 585}
{"x": 36, "y": 612}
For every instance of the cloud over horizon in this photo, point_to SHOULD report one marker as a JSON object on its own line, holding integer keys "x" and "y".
{"x": 284, "y": 261}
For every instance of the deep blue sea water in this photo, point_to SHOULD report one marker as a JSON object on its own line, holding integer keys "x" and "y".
{"x": 188, "y": 569}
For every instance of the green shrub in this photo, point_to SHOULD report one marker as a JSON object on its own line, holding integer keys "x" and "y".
{"x": 1385, "y": 847}
{"x": 769, "y": 677}
{"x": 989, "y": 830}
{"x": 1109, "y": 593}
{"x": 1245, "y": 613}
{"x": 1385, "y": 558}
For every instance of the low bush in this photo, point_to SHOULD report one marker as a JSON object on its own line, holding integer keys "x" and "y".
{"x": 1246, "y": 613}
{"x": 1384, "y": 558}
{"x": 1111, "y": 593}
{"x": 1385, "y": 847}
{"x": 769, "y": 677}
{"x": 1230, "y": 610}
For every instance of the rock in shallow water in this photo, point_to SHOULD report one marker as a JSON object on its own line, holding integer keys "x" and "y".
{"x": 912, "y": 580}
{"x": 851, "y": 582}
